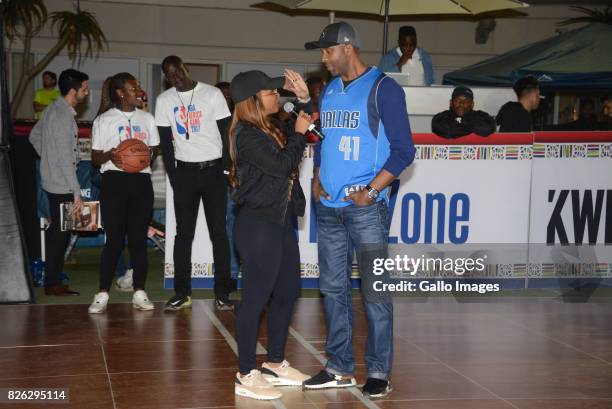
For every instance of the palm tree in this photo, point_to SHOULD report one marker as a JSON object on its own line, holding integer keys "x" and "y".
{"x": 590, "y": 16}
{"x": 23, "y": 17}
{"x": 78, "y": 31}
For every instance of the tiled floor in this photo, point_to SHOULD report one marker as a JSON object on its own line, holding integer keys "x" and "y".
{"x": 499, "y": 354}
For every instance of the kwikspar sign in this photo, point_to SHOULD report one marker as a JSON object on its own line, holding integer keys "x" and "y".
{"x": 490, "y": 196}
{"x": 571, "y": 205}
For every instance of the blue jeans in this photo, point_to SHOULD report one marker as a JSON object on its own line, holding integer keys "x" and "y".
{"x": 366, "y": 229}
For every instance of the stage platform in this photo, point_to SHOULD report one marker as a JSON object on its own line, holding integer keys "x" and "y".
{"x": 489, "y": 353}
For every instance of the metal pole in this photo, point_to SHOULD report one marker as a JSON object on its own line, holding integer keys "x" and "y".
{"x": 386, "y": 28}
{"x": 332, "y": 17}
{"x": 557, "y": 102}
{"x": 43, "y": 227}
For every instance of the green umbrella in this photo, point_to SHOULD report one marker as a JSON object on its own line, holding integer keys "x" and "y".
{"x": 388, "y": 8}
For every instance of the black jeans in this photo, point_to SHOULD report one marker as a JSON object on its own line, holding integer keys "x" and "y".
{"x": 271, "y": 273}
{"x": 126, "y": 202}
{"x": 56, "y": 240}
{"x": 191, "y": 186}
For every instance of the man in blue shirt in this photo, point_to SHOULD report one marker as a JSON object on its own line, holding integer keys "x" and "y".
{"x": 367, "y": 145}
{"x": 408, "y": 58}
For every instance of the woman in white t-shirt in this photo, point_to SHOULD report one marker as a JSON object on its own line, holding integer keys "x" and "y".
{"x": 126, "y": 199}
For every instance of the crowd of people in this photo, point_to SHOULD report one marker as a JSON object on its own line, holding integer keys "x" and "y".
{"x": 514, "y": 116}
{"x": 227, "y": 147}
{"x": 233, "y": 134}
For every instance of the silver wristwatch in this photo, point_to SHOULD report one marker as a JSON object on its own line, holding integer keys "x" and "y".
{"x": 372, "y": 193}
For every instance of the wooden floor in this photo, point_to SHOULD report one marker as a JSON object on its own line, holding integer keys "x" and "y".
{"x": 505, "y": 353}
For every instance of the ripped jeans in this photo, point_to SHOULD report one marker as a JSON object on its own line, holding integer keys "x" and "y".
{"x": 340, "y": 230}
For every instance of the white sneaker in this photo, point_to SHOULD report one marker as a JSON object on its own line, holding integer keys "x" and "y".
{"x": 98, "y": 306}
{"x": 254, "y": 386}
{"x": 284, "y": 375}
{"x": 126, "y": 281}
{"x": 141, "y": 302}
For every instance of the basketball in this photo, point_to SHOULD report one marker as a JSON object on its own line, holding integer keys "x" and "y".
{"x": 134, "y": 155}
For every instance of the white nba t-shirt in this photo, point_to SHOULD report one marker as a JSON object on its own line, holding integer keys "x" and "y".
{"x": 114, "y": 126}
{"x": 413, "y": 67}
{"x": 194, "y": 113}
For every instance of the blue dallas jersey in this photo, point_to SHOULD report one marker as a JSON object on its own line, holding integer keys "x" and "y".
{"x": 355, "y": 147}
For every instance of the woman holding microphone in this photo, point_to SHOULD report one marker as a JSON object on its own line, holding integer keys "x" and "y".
{"x": 264, "y": 174}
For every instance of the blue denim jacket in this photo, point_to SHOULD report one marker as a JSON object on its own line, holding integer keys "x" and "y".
{"x": 388, "y": 63}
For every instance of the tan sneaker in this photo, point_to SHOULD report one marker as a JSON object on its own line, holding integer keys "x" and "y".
{"x": 284, "y": 375}
{"x": 254, "y": 386}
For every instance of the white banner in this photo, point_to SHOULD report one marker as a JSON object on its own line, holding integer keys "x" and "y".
{"x": 571, "y": 205}
{"x": 470, "y": 195}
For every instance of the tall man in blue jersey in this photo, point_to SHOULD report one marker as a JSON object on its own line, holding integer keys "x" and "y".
{"x": 367, "y": 145}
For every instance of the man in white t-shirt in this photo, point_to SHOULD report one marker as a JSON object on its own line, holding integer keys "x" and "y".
{"x": 192, "y": 118}
{"x": 408, "y": 58}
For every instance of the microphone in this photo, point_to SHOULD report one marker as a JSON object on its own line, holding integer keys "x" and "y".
{"x": 289, "y": 108}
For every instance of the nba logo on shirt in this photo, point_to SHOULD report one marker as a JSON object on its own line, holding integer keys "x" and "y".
{"x": 138, "y": 133}
{"x": 180, "y": 117}
{"x": 125, "y": 133}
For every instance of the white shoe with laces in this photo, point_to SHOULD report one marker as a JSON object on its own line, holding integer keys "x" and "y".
{"x": 141, "y": 302}
{"x": 98, "y": 306}
{"x": 284, "y": 375}
{"x": 255, "y": 386}
{"x": 126, "y": 281}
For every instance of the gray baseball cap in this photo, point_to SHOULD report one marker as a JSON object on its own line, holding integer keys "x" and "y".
{"x": 335, "y": 34}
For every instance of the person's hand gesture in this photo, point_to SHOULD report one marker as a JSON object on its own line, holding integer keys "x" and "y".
{"x": 115, "y": 158}
{"x": 318, "y": 192}
{"x": 77, "y": 204}
{"x": 302, "y": 122}
{"x": 361, "y": 198}
{"x": 406, "y": 55}
{"x": 295, "y": 83}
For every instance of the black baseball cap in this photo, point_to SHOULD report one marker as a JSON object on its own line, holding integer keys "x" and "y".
{"x": 246, "y": 84}
{"x": 335, "y": 34}
{"x": 462, "y": 92}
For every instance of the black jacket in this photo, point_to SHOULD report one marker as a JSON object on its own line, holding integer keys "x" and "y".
{"x": 263, "y": 171}
{"x": 512, "y": 117}
{"x": 447, "y": 125}
{"x": 582, "y": 124}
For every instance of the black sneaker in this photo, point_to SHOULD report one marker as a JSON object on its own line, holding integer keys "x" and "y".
{"x": 178, "y": 302}
{"x": 223, "y": 303}
{"x": 325, "y": 379}
{"x": 376, "y": 388}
